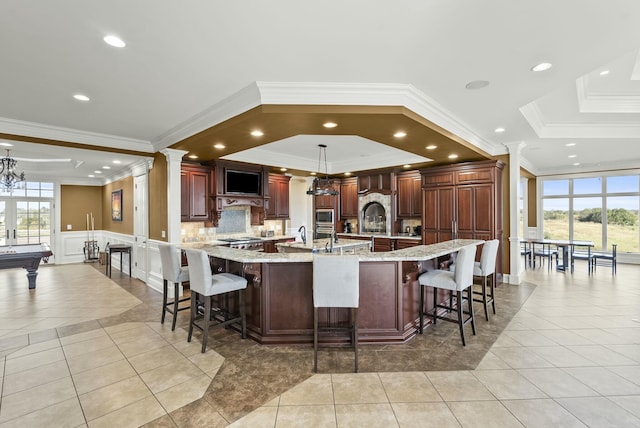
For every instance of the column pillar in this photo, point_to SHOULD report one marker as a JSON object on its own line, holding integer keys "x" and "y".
{"x": 515, "y": 150}
{"x": 174, "y": 160}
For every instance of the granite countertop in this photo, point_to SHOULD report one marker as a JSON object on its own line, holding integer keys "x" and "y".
{"x": 417, "y": 253}
{"x": 217, "y": 242}
{"x": 374, "y": 235}
{"x": 321, "y": 244}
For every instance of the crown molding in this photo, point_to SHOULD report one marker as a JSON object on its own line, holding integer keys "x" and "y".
{"x": 319, "y": 93}
{"x": 590, "y": 103}
{"x": 533, "y": 116}
{"x": 384, "y": 160}
{"x": 635, "y": 73}
{"x": 543, "y": 129}
{"x": 243, "y": 100}
{"x": 374, "y": 94}
{"x": 627, "y": 165}
{"x": 39, "y": 130}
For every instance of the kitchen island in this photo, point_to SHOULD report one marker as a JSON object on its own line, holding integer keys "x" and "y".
{"x": 327, "y": 245}
{"x": 279, "y": 292}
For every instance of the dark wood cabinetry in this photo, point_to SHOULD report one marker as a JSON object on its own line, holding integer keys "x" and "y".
{"x": 463, "y": 201}
{"x": 269, "y": 246}
{"x": 406, "y": 243}
{"x": 196, "y": 185}
{"x": 409, "y": 195}
{"x": 327, "y": 201}
{"x": 349, "y": 198}
{"x": 382, "y": 244}
{"x": 379, "y": 182}
{"x": 277, "y": 206}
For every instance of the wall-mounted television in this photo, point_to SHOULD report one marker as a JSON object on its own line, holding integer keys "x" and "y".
{"x": 243, "y": 182}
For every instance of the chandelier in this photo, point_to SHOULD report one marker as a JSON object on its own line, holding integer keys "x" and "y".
{"x": 322, "y": 186}
{"x": 8, "y": 176}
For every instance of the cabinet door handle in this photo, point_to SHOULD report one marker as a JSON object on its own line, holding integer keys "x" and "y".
{"x": 14, "y": 234}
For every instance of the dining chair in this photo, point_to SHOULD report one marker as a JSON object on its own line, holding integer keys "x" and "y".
{"x": 606, "y": 259}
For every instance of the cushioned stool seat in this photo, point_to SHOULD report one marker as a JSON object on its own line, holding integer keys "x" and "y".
{"x": 205, "y": 284}
{"x": 336, "y": 284}
{"x": 459, "y": 281}
{"x": 172, "y": 271}
{"x": 486, "y": 268}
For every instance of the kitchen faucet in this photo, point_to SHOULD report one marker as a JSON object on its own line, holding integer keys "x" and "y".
{"x": 303, "y": 234}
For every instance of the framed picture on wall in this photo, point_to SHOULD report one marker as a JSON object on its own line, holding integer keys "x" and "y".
{"x": 116, "y": 205}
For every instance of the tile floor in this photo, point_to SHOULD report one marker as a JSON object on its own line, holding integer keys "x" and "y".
{"x": 83, "y": 350}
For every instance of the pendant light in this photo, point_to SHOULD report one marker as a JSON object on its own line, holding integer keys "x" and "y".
{"x": 322, "y": 186}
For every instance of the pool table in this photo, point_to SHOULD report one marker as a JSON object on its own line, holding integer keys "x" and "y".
{"x": 26, "y": 256}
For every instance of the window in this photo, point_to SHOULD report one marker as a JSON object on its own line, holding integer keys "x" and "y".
{"x": 603, "y": 209}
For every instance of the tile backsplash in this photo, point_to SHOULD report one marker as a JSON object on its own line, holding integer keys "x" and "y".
{"x": 234, "y": 222}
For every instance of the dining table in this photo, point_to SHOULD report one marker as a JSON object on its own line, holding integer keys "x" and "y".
{"x": 566, "y": 247}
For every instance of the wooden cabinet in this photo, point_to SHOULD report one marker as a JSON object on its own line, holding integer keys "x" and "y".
{"x": 269, "y": 246}
{"x": 382, "y": 244}
{"x": 438, "y": 214}
{"x": 379, "y": 182}
{"x": 277, "y": 206}
{"x": 327, "y": 201}
{"x": 257, "y": 216}
{"x": 409, "y": 195}
{"x": 349, "y": 198}
{"x": 406, "y": 243}
{"x": 463, "y": 201}
{"x": 196, "y": 185}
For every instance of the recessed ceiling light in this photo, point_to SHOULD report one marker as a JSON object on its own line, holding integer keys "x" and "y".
{"x": 431, "y": 147}
{"x": 283, "y": 169}
{"x": 193, "y": 157}
{"x": 452, "y": 156}
{"x": 477, "y": 84}
{"x": 576, "y": 163}
{"x": 312, "y": 173}
{"x": 6, "y": 144}
{"x": 106, "y": 167}
{"x": 572, "y": 156}
{"x": 499, "y": 130}
{"x": 542, "y": 66}
{"x": 329, "y": 124}
{"x": 347, "y": 174}
{"x": 257, "y": 133}
{"x": 604, "y": 72}
{"x": 219, "y": 146}
{"x": 406, "y": 166}
{"x": 114, "y": 41}
{"x": 400, "y": 134}
{"x": 570, "y": 144}
{"x": 97, "y": 171}
{"x": 116, "y": 161}
{"x": 91, "y": 176}
{"x": 81, "y": 97}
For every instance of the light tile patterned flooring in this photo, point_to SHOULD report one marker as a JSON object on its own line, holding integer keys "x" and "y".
{"x": 570, "y": 357}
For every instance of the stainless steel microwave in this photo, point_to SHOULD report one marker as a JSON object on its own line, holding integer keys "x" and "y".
{"x": 325, "y": 216}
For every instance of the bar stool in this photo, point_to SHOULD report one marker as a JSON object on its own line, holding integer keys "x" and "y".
{"x": 458, "y": 281}
{"x": 336, "y": 284}
{"x": 172, "y": 271}
{"x": 486, "y": 268}
{"x": 205, "y": 284}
